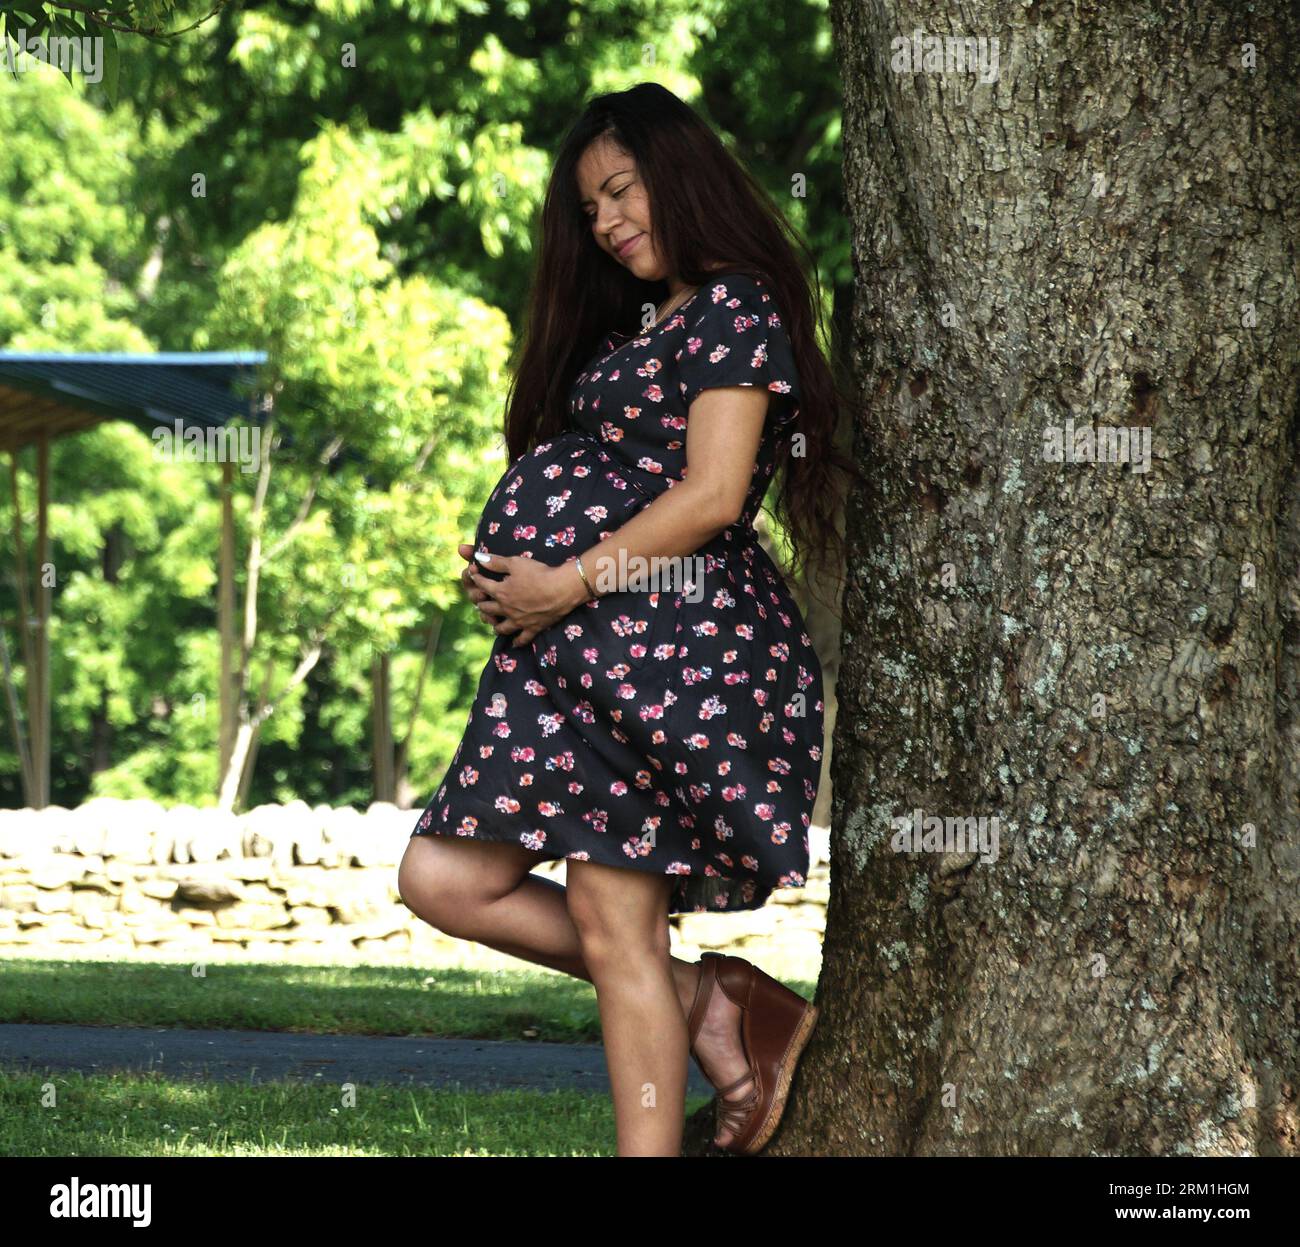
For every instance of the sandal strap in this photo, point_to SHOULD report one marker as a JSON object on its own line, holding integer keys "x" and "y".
{"x": 736, "y": 1114}
{"x": 744, "y": 1107}
{"x": 736, "y": 1123}
{"x": 744, "y": 1078}
{"x": 703, "y": 990}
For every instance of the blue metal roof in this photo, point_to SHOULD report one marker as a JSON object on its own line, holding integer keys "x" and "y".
{"x": 203, "y": 358}
{"x": 56, "y": 393}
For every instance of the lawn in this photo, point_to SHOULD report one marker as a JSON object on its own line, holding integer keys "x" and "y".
{"x": 151, "y": 1114}
{"x": 450, "y": 1003}
{"x": 352, "y": 999}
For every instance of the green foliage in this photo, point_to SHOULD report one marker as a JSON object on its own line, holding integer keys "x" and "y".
{"x": 80, "y": 36}
{"x": 70, "y": 243}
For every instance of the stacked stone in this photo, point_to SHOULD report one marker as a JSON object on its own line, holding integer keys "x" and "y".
{"x": 279, "y": 882}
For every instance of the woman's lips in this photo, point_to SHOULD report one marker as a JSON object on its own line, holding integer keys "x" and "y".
{"x": 629, "y": 246}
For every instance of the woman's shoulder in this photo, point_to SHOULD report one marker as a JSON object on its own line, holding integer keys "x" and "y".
{"x": 736, "y": 338}
{"x": 734, "y": 282}
{"x": 727, "y": 293}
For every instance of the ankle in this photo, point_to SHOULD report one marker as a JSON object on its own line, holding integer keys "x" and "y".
{"x": 686, "y": 978}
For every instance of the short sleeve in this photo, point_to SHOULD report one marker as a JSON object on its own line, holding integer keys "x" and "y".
{"x": 735, "y": 336}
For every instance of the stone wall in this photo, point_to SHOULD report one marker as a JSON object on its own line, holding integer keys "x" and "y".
{"x": 133, "y": 877}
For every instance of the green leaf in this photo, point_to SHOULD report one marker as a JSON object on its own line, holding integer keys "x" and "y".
{"x": 111, "y": 63}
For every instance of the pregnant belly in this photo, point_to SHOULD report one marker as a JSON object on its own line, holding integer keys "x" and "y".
{"x": 554, "y": 503}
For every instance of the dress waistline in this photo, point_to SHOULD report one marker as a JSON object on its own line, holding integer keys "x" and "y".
{"x": 743, "y": 528}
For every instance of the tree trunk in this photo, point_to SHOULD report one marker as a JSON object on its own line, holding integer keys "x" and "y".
{"x": 1099, "y": 658}
{"x": 112, "y": 556}
{"x": 404, "y": 793}
{"x": 381, "y": 730}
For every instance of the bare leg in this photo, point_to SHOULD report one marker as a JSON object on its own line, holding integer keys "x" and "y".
{"x": 622, "y": 921}
{"x": 482, "y": 891}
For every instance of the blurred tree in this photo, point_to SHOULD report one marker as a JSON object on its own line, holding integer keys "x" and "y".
{"x": 392, "y": 368}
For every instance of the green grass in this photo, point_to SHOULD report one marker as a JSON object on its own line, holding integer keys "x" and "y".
{"x": 151, "y": 1115}
{"x": 521, "y": 1004}
{"x": 326, "y": 1000}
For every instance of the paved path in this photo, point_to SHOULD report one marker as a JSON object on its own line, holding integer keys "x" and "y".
{"x": 259, "y": 1056}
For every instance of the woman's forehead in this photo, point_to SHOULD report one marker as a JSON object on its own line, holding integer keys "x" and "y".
{"x": 602, "y": 159}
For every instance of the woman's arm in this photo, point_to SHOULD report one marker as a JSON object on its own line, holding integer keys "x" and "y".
{"x": 723, "y": 433}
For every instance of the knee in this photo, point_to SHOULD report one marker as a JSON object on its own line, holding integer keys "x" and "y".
{"x": 428, "y": 885}
{"x": 608, "y": 939}
{"x": 409, "y": 876}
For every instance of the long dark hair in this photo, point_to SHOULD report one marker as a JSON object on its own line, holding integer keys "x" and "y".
{"x": 704, "y": 207}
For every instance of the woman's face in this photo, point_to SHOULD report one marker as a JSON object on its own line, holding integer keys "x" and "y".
{"x": 614, "y": 200}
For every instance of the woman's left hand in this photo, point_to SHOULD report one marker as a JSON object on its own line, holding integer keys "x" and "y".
{"x": 532, "y": 596}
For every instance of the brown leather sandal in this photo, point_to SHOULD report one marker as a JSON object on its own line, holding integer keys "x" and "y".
{"x": 775, "y": 1026}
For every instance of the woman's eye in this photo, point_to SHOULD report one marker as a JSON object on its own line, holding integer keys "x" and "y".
{"x": 618, "y": 194}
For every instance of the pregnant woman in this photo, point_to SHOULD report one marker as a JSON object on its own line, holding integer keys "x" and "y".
{"x": 652, "y": 708}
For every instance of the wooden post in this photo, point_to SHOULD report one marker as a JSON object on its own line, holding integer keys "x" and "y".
{"x": 381, "y": 730}
{"x": 25, "y": 648}
{"x": 227, "y": 699}
{"x": 41, "y": 729}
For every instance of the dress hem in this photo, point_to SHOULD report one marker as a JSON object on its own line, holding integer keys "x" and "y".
{"x": 707, "y": 885}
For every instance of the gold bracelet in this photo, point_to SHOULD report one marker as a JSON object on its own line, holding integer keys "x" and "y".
{"x": 591, "y": 592}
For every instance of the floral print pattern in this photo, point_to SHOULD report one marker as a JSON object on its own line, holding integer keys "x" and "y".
{"x": 674, "y": 727}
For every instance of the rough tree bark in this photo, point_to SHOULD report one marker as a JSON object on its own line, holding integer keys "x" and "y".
{"x": 1106, "y": 660}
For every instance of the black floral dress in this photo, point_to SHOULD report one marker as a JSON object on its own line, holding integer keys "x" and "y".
{"x": 672, "y": 726}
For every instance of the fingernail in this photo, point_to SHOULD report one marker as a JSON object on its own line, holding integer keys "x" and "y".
{"x": 481, "y": 556}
